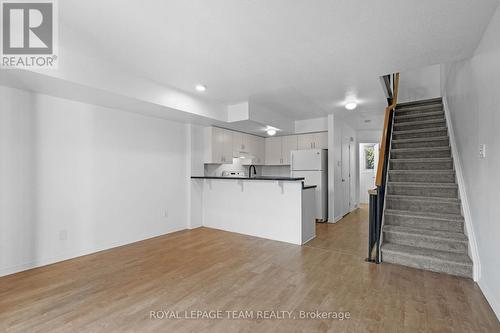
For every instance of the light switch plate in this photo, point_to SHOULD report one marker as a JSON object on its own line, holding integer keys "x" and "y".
{"x": 482, "y": 151}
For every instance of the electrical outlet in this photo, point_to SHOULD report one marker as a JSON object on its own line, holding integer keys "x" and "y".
{"x": 63, "y": 234}
{"x": 482, "y": 151}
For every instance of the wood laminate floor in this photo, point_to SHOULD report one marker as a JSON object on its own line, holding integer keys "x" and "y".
{"x": 206, "y": 269}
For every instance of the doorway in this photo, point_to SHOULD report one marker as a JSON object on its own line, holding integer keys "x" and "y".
{"x": 348, "y": 153}
{"x": 368, "y": 161}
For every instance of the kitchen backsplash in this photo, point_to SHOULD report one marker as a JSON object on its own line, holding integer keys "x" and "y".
{"x": 215, "y": 170}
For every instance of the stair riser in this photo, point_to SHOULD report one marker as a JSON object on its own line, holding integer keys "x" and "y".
{"x": 418, "y": 110}
{"x": 409, "y": 127}
{"x": 424, "y": 206}
{"x": 424, "y": 116}
{"x": 428, "y": 264}
{"x": 421, "y": 154}
{"x": 424, "y": 223}
{"x": 422, "y": 178}
{"x": 426, "y": 242}
{"x": 402, "y": 135}
{"x": 423, "y": 191}
{"x": 427, "y": 165}
{"x": 421, "y": 144}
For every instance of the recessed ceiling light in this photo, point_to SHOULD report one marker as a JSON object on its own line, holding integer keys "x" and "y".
{"x": 351, "y": 105}
{"x": 271, "y": 132}
{"x": 201, "y": 87}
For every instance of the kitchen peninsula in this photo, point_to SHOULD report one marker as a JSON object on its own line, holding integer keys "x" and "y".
{"x": 277, "y": 208}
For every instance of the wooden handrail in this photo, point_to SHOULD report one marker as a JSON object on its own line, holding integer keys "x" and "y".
{"x": 388, "y": 111}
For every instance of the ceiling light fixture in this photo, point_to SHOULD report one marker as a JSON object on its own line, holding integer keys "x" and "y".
{"x": 271, "y": 132}
{"x": 351, "y": 105}
{"x": 201, "y": 87}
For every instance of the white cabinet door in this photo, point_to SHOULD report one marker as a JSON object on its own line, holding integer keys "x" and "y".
{"x": 290, "y": 143}
{"x": 241, "y": 143}
{"x": 227, "y": 147}
{"x": 251, "y": 149}
{"x": 321, "y": 140}
{"x": 261, "y": 150}
{"x": 273, "y": 151}
{"x": 237, "y": 142}
{"x": 217, "y": 145}
{"x": 305, "y": 141}
{"x": 246, "y": 142}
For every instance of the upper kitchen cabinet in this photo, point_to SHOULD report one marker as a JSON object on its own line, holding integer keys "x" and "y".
{"x": 220, "y": 146}
{"x": 317, "y": 140}
{"x": 305, "y": 141}
{"x": 288, "y": 143}
{"x": 321, "y": 140}
{"x": 278, "y": 149}
{"x": 274, "y": 154}
{"x": 241, "y": 143}
{"x": 255, "y": 150}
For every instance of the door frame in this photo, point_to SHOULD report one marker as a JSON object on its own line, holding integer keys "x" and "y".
{"x": 361, "y": 168}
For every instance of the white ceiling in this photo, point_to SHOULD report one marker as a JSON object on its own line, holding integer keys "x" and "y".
{"x": 300, "y": 58}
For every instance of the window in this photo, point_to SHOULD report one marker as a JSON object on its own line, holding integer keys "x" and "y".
{"x": 369, "y": 157}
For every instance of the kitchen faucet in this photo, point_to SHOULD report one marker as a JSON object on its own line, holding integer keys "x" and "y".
{"x": 250, "y": 171}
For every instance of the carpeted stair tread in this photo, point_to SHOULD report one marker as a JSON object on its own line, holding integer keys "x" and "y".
{"x": 428, "y": 221}
{"x": 425, "y": 185}
{"x": 426, "y": 159}
{"x": 419, "y": 122}
{"x": 431, "y": 101}
{"x": 400, "y": 150}
{"x": 434, "y": 234}
{"x": 420, "y": 130}
{"x": 426, "y": 215}
{"x": 423, "y": 172}
{"x": 409, "y": 116}
{"x": 431, "y": 254}
{"x": 436, "y": 138}
{"x": 419, "y": 198}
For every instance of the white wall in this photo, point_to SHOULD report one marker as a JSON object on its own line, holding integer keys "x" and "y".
{"x": 78, "y": 178}
{"x": 419, "y": 84}
{"x": 311, "y": 125}
{"x": 337, "y": 129}
{"x": 471, "y": 91}
{"x": 369, "y": 136}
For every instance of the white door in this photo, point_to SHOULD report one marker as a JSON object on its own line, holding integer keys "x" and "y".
{"x": 368, "y": 160}
{"x": 345, "y": 170}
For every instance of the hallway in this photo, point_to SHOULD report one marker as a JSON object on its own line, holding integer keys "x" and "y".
{"x": 349, "y": 235}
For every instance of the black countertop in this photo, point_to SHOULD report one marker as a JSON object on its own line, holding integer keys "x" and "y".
{"x": 253, "y": 178}
{"x": 293, "y": 179}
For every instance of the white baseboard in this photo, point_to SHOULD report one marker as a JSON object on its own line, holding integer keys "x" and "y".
{"x": 473, "y": 249}
{"x": 494, "y": 303}
{"x": 337, "y": 218}
{"x": 310, "y": 239}
{"x": 74, "y": 254}
{"x": 191, "y": 227}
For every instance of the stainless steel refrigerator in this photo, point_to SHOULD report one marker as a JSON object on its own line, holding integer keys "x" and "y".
{"x": 312, "y": 164}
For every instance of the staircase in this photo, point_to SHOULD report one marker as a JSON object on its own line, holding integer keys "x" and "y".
{"x": 423, "y": 223}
